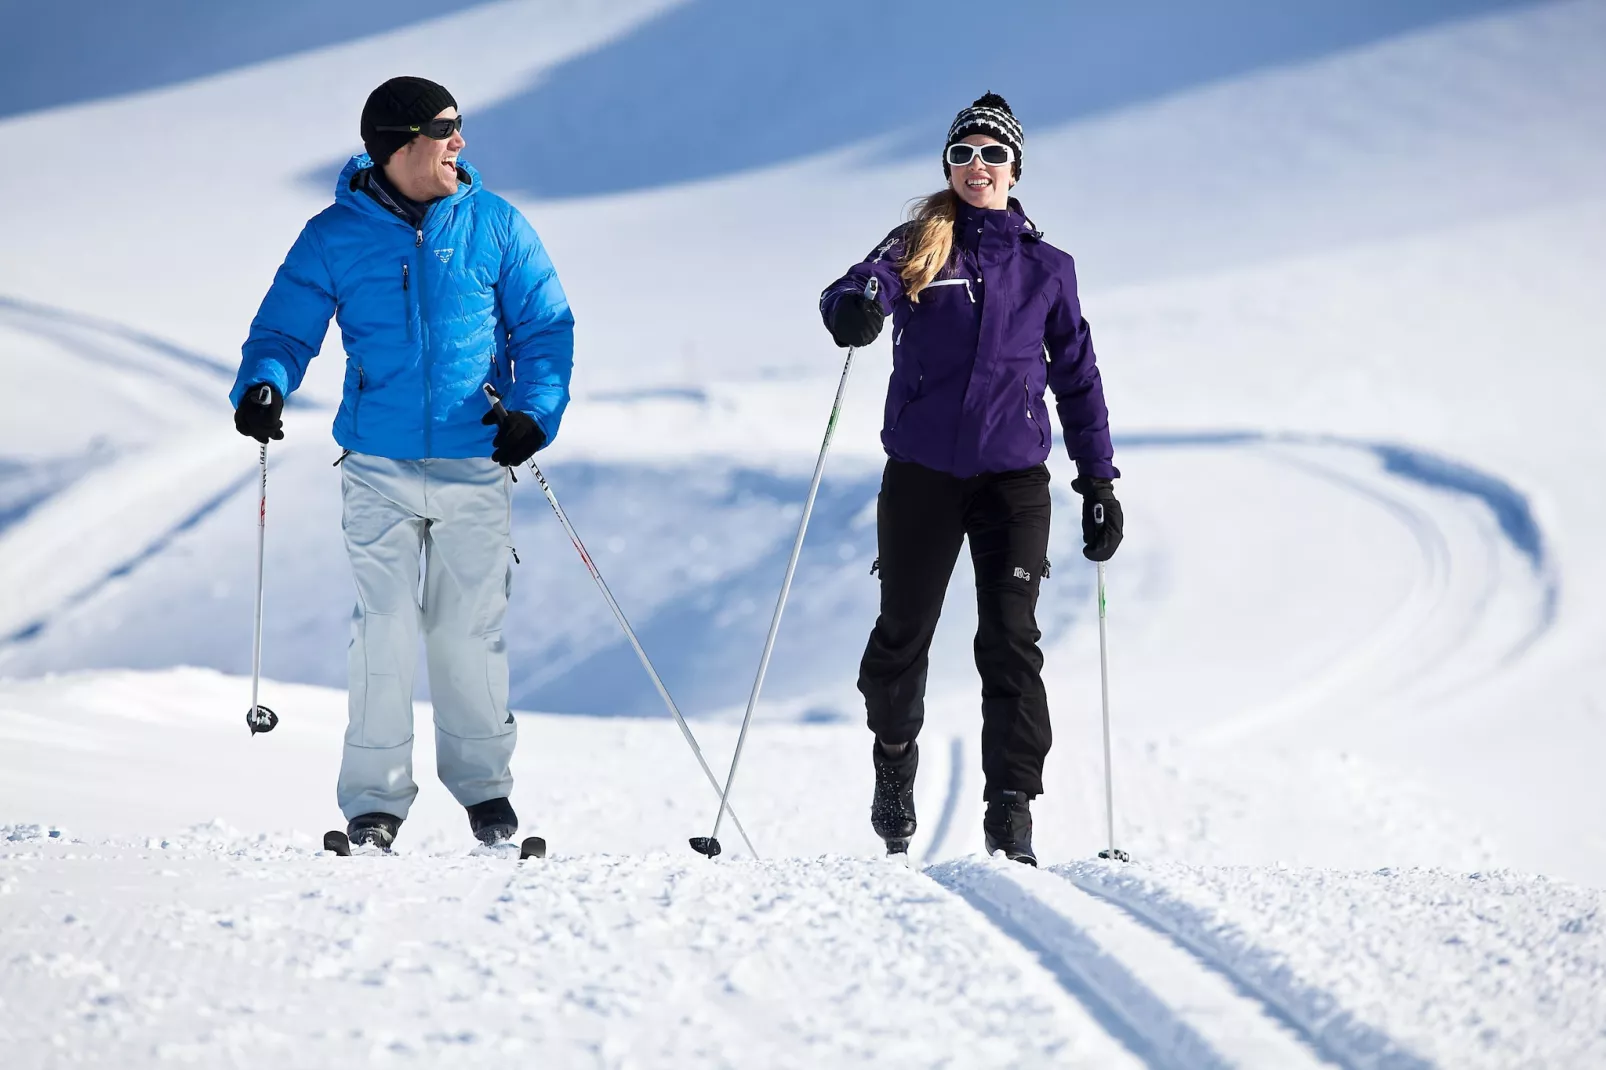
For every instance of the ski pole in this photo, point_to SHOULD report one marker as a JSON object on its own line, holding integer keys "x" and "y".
{"x": 709, "y": 845}
{"x": 618, "y": 614}
{"x": 1104, "y": 687}
{"x": 259, "y": 718}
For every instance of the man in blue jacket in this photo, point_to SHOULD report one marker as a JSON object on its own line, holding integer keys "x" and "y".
{"x": 439, "y": 287}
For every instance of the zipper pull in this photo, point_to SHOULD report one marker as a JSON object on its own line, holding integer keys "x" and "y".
{"x": 343, "y": 455}
{"x": 419, "y": 244}
{"x": 404, "y": 276}
{"x": 360, "y": 377}
{"x": 515, "y": 550}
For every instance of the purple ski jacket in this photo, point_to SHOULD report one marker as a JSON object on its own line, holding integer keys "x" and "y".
{"x": 971, "y": 358}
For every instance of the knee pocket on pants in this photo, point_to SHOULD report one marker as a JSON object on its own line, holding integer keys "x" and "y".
{"x": 505, "y": 728}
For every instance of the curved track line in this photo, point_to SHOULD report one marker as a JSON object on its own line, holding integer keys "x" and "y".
{"x": 1156, "y": 997}
{"x": 1333, "y": 1032}
{"x": 1470, "y": 609}
{"x": 58, "y": 324}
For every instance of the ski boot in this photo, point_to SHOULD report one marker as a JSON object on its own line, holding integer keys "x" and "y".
{"x": 1007, "y": 826}
{"x": 493, "y": 821}
{"x": 892, "y": 811}
{"x": 373, "y": 830}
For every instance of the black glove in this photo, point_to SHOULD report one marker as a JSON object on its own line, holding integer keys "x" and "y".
{"x": 856, "y": 320}
{"x": 1101, "y": 518}
{"x": 517, "y": 440}
{"x": 259, "y": 419}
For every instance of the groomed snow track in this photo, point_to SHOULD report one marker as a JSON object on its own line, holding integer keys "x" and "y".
{"x": 227, "y": 950}
{"x": 1326, "y": 1028}
{"x": 1175, "y": 1003}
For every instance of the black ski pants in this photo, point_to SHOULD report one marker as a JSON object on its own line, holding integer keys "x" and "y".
{"x": 922, "y": 517}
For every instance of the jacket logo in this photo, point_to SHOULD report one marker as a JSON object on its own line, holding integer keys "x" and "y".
{"x": 1022, "y": 574}
{"x": 445, "y": 255}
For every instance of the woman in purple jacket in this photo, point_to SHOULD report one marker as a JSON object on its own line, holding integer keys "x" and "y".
{"x": 984, "y": 317}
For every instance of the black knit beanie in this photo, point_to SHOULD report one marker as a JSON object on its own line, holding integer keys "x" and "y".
{"x": 400, "y": 102}
{"x": 989, "y": 115}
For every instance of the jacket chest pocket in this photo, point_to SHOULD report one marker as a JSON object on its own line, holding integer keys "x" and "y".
{"x": 940, "y": 334}
{"x": 407, "y": 298}
{"x": 970, "y": 285}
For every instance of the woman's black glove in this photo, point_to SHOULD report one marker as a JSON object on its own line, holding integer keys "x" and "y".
{"x": 517, "y": 439}
{"x": 258, "y": 414}
{"x": 856, "y": 320}
{"x": 1101, "y": 518}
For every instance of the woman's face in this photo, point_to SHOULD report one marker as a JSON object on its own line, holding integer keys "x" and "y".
{"x": 979, "y": 185}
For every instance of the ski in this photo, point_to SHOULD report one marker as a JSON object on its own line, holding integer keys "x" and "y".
{"x": 336, "y": 843}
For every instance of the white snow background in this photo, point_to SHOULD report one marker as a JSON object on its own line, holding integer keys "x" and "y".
{"x": 1345, "y": 267}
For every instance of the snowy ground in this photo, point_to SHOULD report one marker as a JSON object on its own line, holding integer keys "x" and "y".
{"x": 1344, "y": 275}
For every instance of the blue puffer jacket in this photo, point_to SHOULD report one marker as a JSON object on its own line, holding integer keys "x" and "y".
{"x": 426, "y": 318}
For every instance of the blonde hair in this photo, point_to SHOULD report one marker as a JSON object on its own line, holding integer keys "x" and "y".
{"x": 929, "y": 242}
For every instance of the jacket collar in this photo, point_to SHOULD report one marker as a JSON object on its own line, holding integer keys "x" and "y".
{"x": 350, "y": 188}
{"x": 1008, "y": 223}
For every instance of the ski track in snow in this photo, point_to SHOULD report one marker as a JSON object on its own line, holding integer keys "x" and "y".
{"x": 222, "y": 949}
{"x": 1393, "y": 968}
{"x": 1116, "y": 976}
{"x": 273, "y": 954}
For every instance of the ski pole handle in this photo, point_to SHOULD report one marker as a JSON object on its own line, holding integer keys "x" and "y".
{"x": 500, "y": 412}
{"x": 496, "y": 403}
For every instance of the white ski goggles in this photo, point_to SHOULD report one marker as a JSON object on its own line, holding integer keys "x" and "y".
{"x": 960, "y": 154}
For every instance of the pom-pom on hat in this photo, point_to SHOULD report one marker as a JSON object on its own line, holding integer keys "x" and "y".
{"x": 989, "y": 115}
{"x": 403, "y": 101}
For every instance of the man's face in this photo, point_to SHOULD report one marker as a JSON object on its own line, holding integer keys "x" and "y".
{"x": 424, "y": 169}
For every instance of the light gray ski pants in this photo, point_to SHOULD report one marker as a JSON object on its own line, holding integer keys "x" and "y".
{"x": 458, "y": 513}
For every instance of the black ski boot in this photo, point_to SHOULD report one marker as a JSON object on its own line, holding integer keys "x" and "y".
{"x": 1008, "y": 827}
{"x": 373, "y": 830}
{"x": 493, "y": 821}
{"x": 892, "y": 811}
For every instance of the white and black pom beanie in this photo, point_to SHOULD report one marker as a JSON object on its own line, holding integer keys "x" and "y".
{"x": 989, "y": 115}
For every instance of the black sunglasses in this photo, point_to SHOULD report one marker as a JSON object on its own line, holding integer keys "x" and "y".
{"x": 439, "y": 129}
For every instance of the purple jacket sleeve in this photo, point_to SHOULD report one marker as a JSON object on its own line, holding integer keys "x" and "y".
{"x": 1073, "y": 375}
{"x": 882, "y": 263}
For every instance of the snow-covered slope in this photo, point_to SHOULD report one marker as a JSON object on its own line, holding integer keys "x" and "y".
{"x": 1344, "y": 281}
{"x": 138, "y": 926}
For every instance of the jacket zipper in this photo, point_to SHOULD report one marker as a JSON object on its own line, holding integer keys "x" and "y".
{"x": 423, "y": 344}
{"x": 423, "y": 339}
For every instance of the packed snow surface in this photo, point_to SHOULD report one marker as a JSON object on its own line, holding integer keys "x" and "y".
{"x": 1344, "y": 272}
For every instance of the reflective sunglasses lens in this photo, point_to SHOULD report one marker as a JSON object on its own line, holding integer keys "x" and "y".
{"x": 441, "y": 129}
{"x": 995, "y": 155}
{"x": 960, "y": 155}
